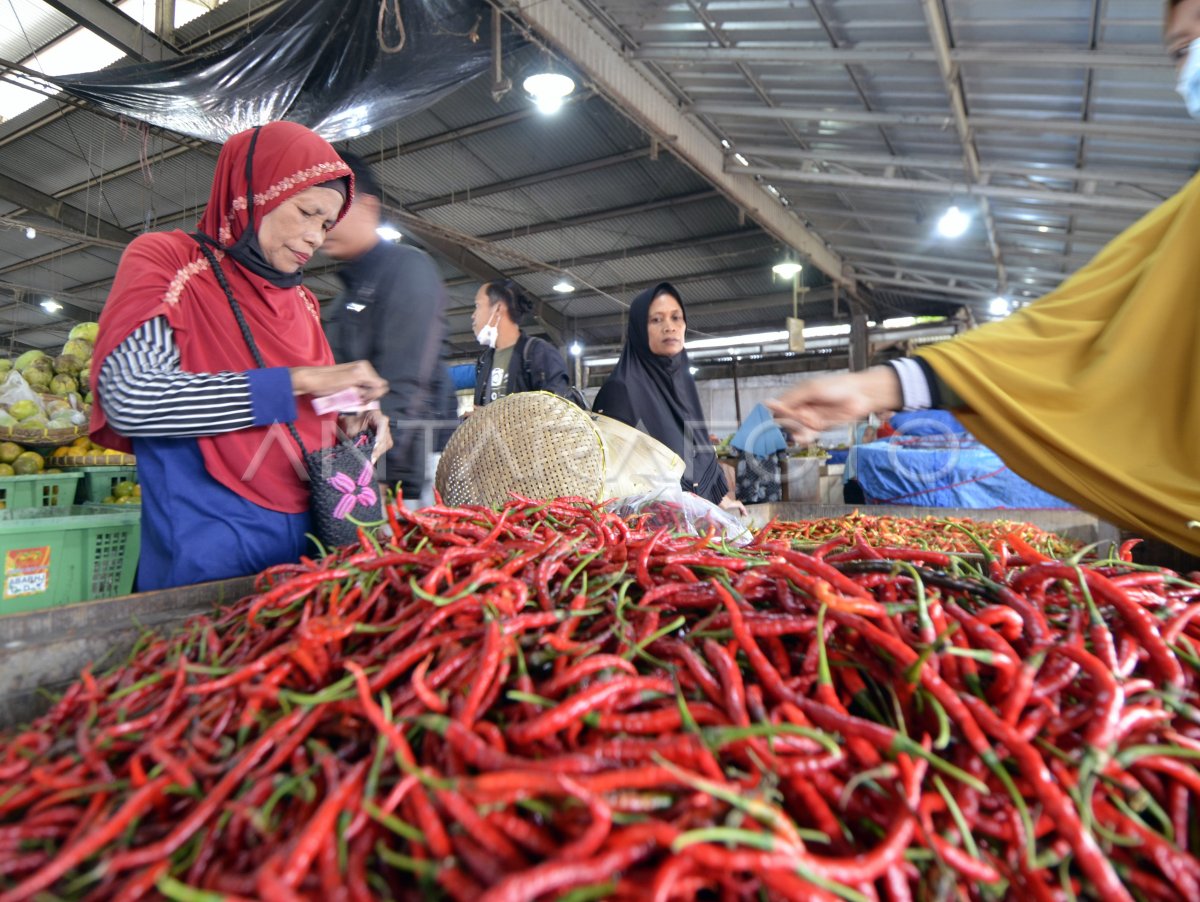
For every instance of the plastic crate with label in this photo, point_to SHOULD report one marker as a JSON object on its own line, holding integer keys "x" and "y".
{"x": 57, "y": 556}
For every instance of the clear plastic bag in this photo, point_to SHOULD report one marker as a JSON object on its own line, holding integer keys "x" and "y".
{"x": 681, "y": 512}
{"x": 14, "y": 388}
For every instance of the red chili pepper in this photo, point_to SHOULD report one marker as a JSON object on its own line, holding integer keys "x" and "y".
{"x": 1090, "y": 857}
{"x": 561, "y": 715}
{"x": 318, "y": 832}
{"x": 558, "y": 875}
{"x": 79, "y": 852}
{"x": 493, "y": 648}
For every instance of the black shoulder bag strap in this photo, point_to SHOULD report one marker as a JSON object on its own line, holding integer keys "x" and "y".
{"x": 241, "y": 321}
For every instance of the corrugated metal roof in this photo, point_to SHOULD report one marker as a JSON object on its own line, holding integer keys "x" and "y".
{"x": 845, "y": 114}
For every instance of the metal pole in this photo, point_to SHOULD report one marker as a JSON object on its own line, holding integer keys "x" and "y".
{"x": 500, "y": 84}
{"x": 737, "y": 395}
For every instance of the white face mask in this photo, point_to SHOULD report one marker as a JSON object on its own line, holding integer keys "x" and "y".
{"x": 489, "y": 333}
{"x": 1188, "y": 85}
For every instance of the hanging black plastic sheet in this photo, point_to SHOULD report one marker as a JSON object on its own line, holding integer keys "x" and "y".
{"x": 341, "y": 67}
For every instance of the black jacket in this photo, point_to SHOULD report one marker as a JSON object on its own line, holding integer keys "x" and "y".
{"x": 393, "y": 314}
{"x": 535, "y": 366}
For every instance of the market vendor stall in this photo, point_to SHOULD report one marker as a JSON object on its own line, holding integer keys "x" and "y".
{"x": 548, "y": 702}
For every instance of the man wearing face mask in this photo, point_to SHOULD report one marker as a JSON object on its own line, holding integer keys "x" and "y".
{"x": 513, "y": 361}
{"x": 1093, "y": 391}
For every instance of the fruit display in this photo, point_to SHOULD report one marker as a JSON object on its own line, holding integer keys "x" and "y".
{"x": 124, "y": 492}
{"x": 82, "y": 451}
{"x": 44, "y": 399}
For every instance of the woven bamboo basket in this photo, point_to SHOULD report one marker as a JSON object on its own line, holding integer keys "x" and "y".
{"x": 538, "y": 445}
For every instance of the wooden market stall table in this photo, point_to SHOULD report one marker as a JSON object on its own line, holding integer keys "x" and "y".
{"x": 42, "y": 652}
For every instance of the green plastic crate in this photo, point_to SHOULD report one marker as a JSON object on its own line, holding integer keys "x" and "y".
{"x": 38, "y": 490}
{"x": 57, "y": 556}
{"x": 98, "y": 482}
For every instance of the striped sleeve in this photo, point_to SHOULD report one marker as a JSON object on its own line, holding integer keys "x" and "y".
{"x": 145, "y": 393}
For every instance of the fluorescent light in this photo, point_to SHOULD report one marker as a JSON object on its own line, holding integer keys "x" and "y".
{"x": 693, "y": 370}
{"x": 773, "y": 190}
{"x": 576, "y": 349}
{"x": 733, "y": 341}
{"x": 563, "y": 287}
{"x": 1030, "y": 281}
{"x": 827, "y": 331}
{"x": 31, "y": 233}
{"x": 786, "y": 270}
{"x": 953, "y": 223}
{"x": 389, "y": 233}
{"x": 999, "y": 306}
{"x": 548, "y": 90}
{"x": 725, "y": 144}
{"x": 51, "y": 306}
{"x": 602, "y": 361}
{"x": 900, "y": 322}
{"x": 741, "y": 159}
{"x": 1043, "y": 228}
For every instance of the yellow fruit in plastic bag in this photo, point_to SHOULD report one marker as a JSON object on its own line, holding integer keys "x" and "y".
{"x": 123, "y": 489}
{"x": 22, "y": 409}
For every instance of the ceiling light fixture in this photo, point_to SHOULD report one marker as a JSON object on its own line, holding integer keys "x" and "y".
{"x": 729, "y": 342}
{"x": 953, "y": 223}
{"x": 31, "y": 233}
{"x": 389, "y": 233}
{"x": 1043, "y": 228}
{"x": 999, "y": 306}
{"x": 563, "y": 287}
{"x": 51, "y": 306}
{"x": 741, "y": 159}
{"x": 788, "y": 269}
{"x": 576, "y": 349}
{"x": 548, "y": 89}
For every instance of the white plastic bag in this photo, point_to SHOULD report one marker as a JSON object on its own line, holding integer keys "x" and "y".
{"x": 14, "y": 388}
{"x": 681, "y": 512}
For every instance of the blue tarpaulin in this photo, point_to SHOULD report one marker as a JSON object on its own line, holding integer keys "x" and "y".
{"x": 758, "y": 434}
{"x": 940, "y": 471}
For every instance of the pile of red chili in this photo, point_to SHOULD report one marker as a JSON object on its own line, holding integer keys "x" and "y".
{"x": 541, "y": 703}
{"x": 934, "y": 532}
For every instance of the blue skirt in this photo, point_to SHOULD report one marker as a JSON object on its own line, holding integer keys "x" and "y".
{"x": 194, "y": 529}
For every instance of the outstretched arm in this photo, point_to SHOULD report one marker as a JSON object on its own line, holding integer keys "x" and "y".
{"x": 815, "y": 405}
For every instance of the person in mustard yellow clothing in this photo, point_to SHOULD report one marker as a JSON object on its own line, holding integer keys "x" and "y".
{"x": 1093, "y": 391}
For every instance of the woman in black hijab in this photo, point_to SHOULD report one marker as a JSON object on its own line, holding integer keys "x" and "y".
{"x": 652, "y": 389}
